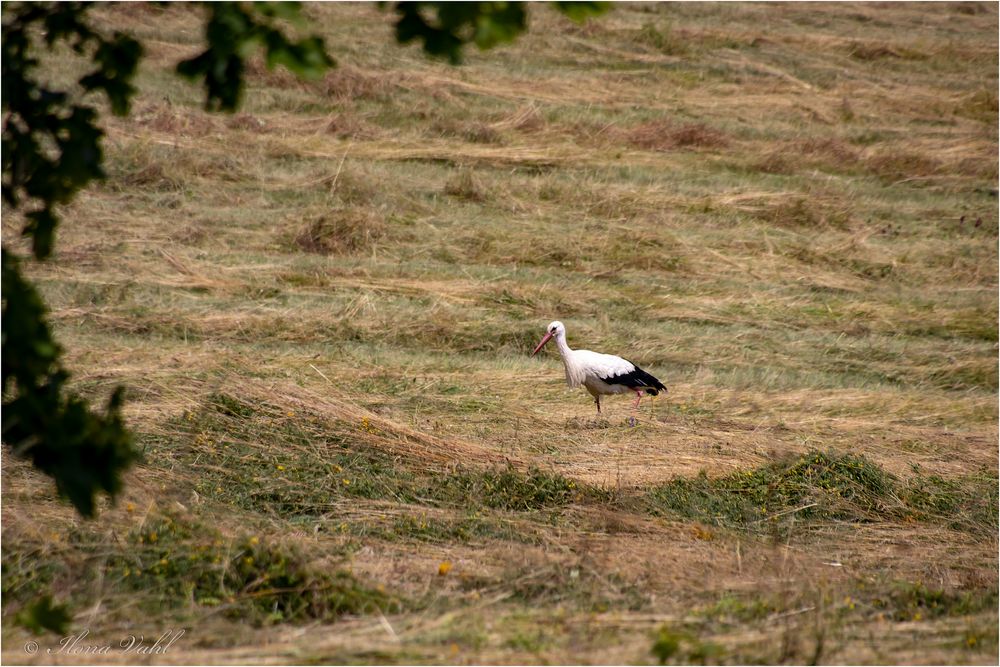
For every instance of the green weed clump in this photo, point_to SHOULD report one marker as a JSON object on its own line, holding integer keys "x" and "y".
{"x": 682, "y": 647}
{"x": 471, "y": 528}
{"x": 813, "y": 485}
{"x": 179, "y": 566}
{"x": 177, "y": 563}
{"x": 287, "y": 463}
{"x": 906, "y": 601}
{"x": 299, "y": 465}
{"x": 826, "y": 485}
{"x": 966, "y": 503}
{"x": 739, "y": 609}
{"x": 507, "y": 489}
{"x": 663, "y": 39}
{"x": 26, "y": 578}
{"x": 574, "y": 584}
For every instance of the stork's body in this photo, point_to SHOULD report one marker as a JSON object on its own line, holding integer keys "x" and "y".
{"x": 601, "y": 374}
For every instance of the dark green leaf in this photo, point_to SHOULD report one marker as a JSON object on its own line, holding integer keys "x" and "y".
{"x": 231, "y": 32}
{"x": 83, "y": 451}
{"x": 42, "y": 615}
{"x": 499, "y": 22}
{"x": 446, "y": 27}
{"x": 289, "y": 11}
{"x": 117, "y": 61}
{"x": 581, "y": 11}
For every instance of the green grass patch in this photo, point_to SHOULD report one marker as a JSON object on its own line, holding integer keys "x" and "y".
{"x": 179, "y": 565}
{"x": 508, "y": 489}
{"x": 736, "y": 609}
{"x": 175, "y": 563}
{"x": 681, "y": 646}
{"x": 27, "y": 575}
{"x": 828, "y": 486}
{"x": 298, "y": 466}
{"x": 813, "y": 485}
{"x": 470, "y": 528}
{"x": 967, "y": 502}
{"x": 907, "y": 601}
{"x": 572, "y": 584}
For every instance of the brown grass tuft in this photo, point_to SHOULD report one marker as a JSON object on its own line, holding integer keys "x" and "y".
{"x": 872, "y": 51}
{"x": 350, "y": 83}
{"x": 526, "y": 119}
{"x": 981, "y": 105}
{"x": 898, "y": 164}
{"x": 665, "y": 40}
{"x": 466, "y": 185}
{"x": 823, "y": 152}
{"x": 341, "y": 231}
{"x": 833, "y": 149}
{"x": 245, "y": 121}
{"x": 347, "y": 125}
{"x": 258, "y": 73}
{"x": 165, "y": 118}
{"x": 152, "y": 176}
{"x": 475, "y": 132}
{"x": 358, "y": 187}
{"x": 803, "y": 211}
{"x": 665, "y": 135}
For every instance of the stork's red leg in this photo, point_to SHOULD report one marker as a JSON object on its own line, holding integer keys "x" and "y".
{"x": 638, "y": 397}
{"x": 597, "y": 399}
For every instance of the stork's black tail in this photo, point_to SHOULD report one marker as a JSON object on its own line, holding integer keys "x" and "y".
{"x": 639, "y": 379}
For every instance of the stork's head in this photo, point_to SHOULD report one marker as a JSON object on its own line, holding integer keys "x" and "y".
{"x": 554, "y": 330}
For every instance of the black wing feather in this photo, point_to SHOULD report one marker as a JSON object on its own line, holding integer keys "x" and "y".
{"x": 637, "y": 379}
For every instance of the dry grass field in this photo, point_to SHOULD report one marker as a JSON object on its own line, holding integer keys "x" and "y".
{"x": 323, "y": 309}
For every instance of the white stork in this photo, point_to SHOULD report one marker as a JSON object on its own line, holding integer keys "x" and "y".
{"x": 601, "y": 374}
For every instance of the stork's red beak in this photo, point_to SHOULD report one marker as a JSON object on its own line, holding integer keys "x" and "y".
{"x": 542, "y": 344}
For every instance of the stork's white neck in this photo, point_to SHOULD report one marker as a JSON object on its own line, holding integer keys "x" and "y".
{"x": 574, "y": 373}
{"x": 563, "y": 345}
